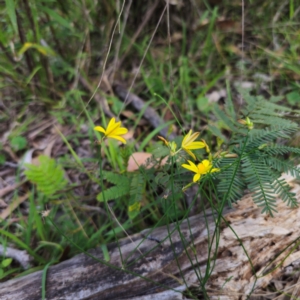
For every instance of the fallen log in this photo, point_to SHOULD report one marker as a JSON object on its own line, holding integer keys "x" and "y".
{"x": 167, "y": 263}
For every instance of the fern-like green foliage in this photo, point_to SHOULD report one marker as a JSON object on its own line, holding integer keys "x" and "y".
{"x": 48, "y": 176}
{"x": 137, "y": 188}
{"x": 258, "y": 162}
{"x": 121, "y": 186}
{"x": 259, "y": 181}
{"x": 132, "y": 185}
{"x": 231, "y": 182}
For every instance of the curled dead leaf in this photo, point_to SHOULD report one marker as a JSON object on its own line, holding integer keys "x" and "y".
{"x": 140, "y": 158}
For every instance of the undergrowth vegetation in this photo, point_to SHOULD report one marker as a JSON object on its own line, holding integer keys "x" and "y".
{"x": 225, "y": 87}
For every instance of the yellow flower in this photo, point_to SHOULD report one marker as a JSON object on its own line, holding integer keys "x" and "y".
{"x": 189, "y": 144}
{"x": 113, "y": 130}
{"x": 202, "y": 168}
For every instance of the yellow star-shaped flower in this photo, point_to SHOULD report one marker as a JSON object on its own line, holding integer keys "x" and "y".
{"x": 188, "y": 143}
{"x": 202, "y": 168}
{"x": 113, "y": 130}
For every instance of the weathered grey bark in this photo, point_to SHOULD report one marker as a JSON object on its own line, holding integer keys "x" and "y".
{"x": 265, "y": 239}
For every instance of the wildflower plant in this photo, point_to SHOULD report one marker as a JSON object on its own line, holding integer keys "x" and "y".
{"x": 246, "y": 163}
{"x": 188, "y": 144}
{"x": 250, "y": 160}
{"x": 254, "y": 158}
{"x": 124, "y": 184}
{"x": 245, "y": 151}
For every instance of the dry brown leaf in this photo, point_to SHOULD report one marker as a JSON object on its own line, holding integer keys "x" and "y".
{"x": 27, "y": 158}
{"x": 12, "y": 206}
{"x": 234, "y": 49}
{"x": 11, "y": 153}
{"x": 129, "y": 114}
{"x": 137, "y": 159}
{"x": 128, "y": 135}
{"x": 140, "y": 158}
{"x": 48, "y": 149}
{"x": 3, "y": 204}
{"x": 229, "y": 26}
{"x": 35, "y": 160}
{"x": 40, "y": 127}
{"x": 30, "y": 157}
{"x": 9, "y": 188}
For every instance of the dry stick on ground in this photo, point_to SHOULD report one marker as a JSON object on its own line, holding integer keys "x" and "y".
{"x": 20, "y": 256}
{"x": 268, "y": 241}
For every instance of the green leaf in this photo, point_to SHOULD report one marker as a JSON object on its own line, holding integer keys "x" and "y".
{"x": 56, "y": 17}
{"x": 253, "y": 158}
{"x": 161, "y": 151}
{"x": 18, "y": 143}
{"x": 217, "y": 132}
{"x": 11, "y": 12}
{"x": 259, "y": 182}
{"x": 115, "y": 178}
{"x": 121, "y": 188}
{"x": 231, "y": 184}
{"x": 2, "y": 159}
{"x": 293, "y": 97}
{"x": 6, "y": 262}
{"x": 48, "y": 176}
{"x": 137, "y": 187}
{"x": 203, "y": 104}
{"x": 227, "y": 120}
{"x": 162, "y": 178}
{"x": 113, "y": 193}
{"x": 134, "y": 210}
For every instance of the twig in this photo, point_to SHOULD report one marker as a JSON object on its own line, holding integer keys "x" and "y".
{"x": 19, "y": 255}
